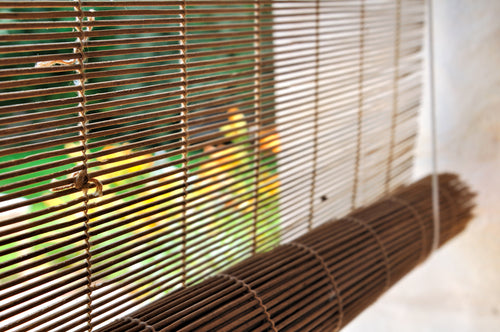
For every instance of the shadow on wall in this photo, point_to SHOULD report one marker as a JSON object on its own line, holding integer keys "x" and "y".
{"x": 458, "y": 288}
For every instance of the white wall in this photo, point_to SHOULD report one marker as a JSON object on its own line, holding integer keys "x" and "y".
{"x": 457, "y": 289}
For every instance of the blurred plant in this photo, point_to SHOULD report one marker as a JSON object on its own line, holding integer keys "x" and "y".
{"x": 229, "y": 176}
{"x": 225, "y": 169}
{"x": 132, "y": 203}
{"x": 223, "y": 174}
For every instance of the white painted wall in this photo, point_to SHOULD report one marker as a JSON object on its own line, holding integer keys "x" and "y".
{"x": 457, "y": 289}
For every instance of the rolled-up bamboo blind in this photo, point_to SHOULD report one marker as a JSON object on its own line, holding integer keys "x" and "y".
{"x": 319, "y": 281}
{"x": 146, "y": 145}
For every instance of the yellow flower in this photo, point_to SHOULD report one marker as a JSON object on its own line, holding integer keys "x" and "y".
{"x": 108, "y": 160}
{"x": 239, "y": 127}
{"x": 271, "y": 142}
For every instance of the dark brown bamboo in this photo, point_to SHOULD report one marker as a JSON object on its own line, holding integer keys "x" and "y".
{"x": 322, "y": 279}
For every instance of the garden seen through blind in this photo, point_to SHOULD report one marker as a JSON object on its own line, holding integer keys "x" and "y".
{"x": 146, "y": 145}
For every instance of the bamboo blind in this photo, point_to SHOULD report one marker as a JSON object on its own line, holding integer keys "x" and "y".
{"x": 322, "y": 280}
{"x": 147, "y": 145}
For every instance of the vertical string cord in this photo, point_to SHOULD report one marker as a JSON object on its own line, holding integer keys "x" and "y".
{"x": 255, "y": 295}
{"x": 82, "y": 40}
{"x": 424, "y": 249}
{"x": 383, "y": 250}
{"x": 140, "y": 323}
{"x": 357, "y": 162}
{"x": 432, "y": 105}
{"x": 395, "y": 98}
{"x": 185, "y": 140}
{"x": 316, "y": 115}
{"x": 332, "y": 281}
{"x": 258, "y": 118}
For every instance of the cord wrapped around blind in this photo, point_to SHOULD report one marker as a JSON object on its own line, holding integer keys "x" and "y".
{"x": 321, "y": 280}
{"x": 146, "y": 145}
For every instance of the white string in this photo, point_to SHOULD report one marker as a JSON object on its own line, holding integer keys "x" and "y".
{"x": 432, "y": 106}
